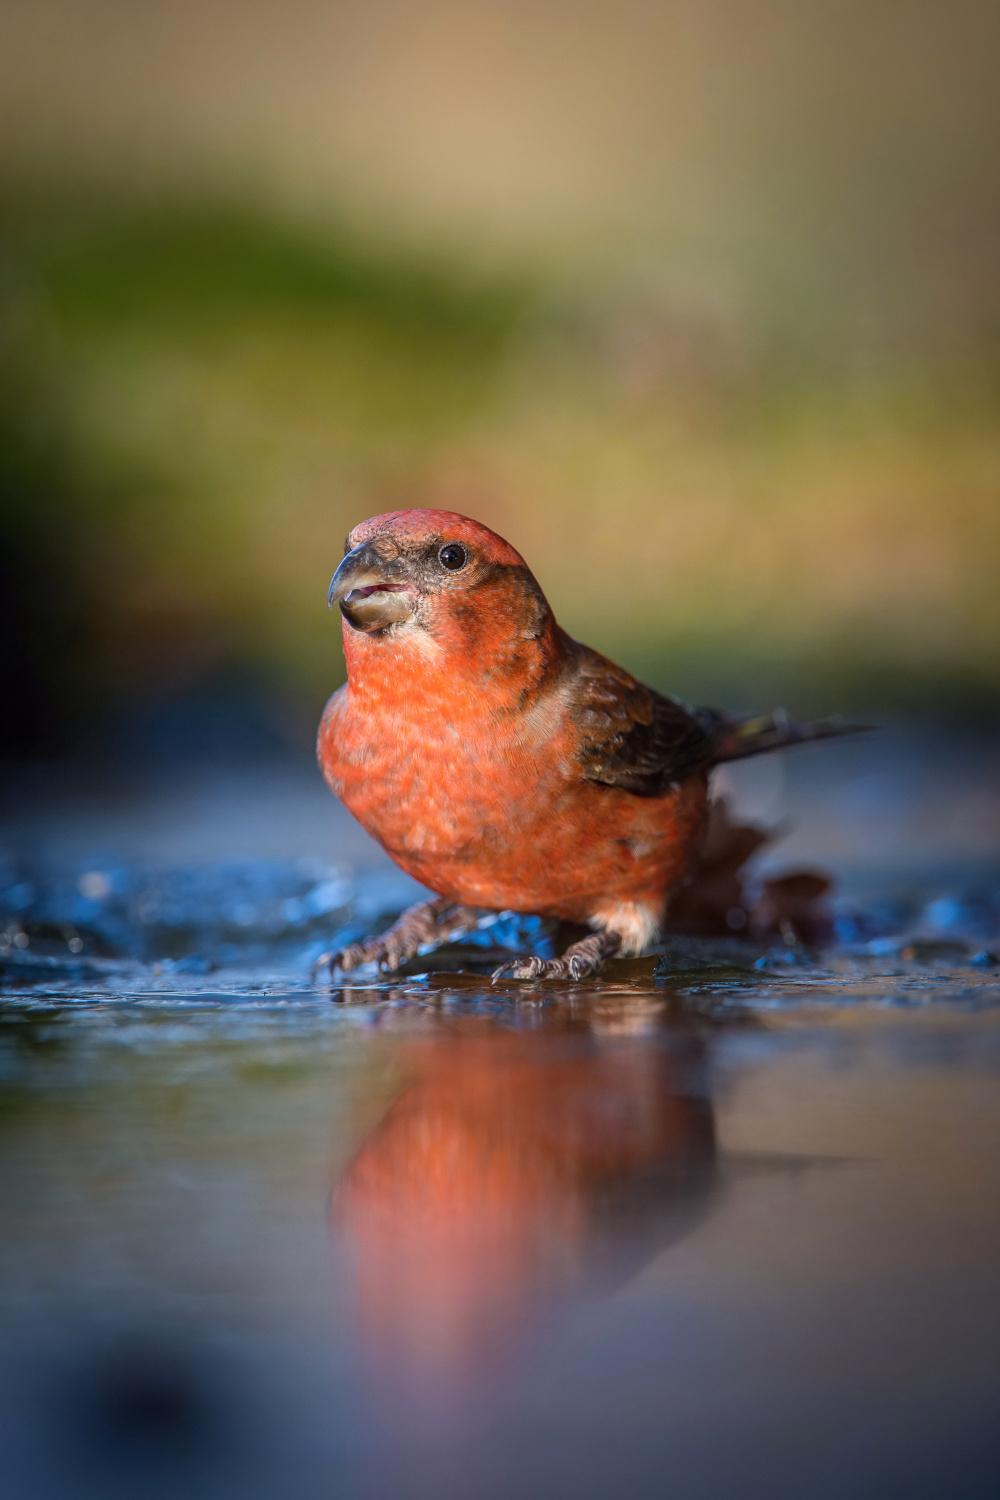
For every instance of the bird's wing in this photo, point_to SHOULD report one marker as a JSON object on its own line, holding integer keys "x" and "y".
{"x": 631, "y": 736}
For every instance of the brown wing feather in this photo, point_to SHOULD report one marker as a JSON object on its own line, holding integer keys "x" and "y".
{"x": 631, "y": 736}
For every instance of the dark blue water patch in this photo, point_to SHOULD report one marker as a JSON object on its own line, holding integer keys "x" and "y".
{"x": 209, "y": 914}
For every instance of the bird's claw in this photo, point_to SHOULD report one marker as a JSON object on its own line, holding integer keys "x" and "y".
{"x": 580, "y": 961}
{"x": 573, "y": 967}
{"x": 430, "y": 923}
{"x": 518, "y": 968}
{"x": 327, "y": 961}
{"x": 356, "y": 954}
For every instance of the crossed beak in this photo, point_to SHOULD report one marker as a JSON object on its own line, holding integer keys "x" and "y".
{"x": 370, "y": 598}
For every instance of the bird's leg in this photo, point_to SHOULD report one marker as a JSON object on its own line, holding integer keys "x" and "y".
{"x": 427, "y": 922}
{"x": 580, "y": 960}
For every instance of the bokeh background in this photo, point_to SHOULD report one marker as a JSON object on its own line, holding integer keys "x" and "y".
{"x": 696, "y": 301}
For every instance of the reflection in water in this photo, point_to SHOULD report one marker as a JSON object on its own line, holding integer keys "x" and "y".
{"x": 519, "y": 1166}
{"x": 168, "y": 1326}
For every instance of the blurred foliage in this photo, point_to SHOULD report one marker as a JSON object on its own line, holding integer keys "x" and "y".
{"x": 158, "y": 362}
{"x": 199, "y": 398}
{"x": 196, "y": 267}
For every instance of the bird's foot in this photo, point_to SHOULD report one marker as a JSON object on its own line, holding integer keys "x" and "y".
{"x": 427, "y": 922}
{"x": 580, "y": 961}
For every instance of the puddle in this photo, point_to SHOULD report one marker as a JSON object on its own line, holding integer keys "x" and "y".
{"x": 426, "y": 1238}
{"x": 725, "y": 1221}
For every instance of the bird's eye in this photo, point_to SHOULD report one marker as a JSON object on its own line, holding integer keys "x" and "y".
{"x": 453, "y": 557}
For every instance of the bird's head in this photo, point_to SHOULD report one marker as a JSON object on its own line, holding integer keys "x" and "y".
{"x": 435, "y": 578}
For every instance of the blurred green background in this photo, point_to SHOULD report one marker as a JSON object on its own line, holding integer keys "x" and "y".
{"x": 697, "y": 304}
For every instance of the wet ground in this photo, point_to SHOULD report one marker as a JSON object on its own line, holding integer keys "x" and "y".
{"x": 725, "y": 1222}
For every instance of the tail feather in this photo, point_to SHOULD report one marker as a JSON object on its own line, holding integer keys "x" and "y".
{"x": 756, "y": 736}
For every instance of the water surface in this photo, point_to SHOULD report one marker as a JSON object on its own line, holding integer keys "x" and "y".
{"x": 660, "y": 1235}
{"x": 723, "y": 1224}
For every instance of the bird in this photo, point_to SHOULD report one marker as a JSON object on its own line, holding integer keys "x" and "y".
{"x": 502, "y": 763}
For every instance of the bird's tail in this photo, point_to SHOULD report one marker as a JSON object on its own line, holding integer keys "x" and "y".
{"x": 738, "y": 738}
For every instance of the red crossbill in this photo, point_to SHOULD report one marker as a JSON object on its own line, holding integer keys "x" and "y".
{"x": 500, "y": 762}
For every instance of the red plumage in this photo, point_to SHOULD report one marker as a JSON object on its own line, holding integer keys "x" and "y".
{"x": 500, "y": 762}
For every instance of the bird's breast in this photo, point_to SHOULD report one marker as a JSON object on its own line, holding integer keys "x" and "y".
{"x": 440, "y": 783}
{"x": 495, "y": 811}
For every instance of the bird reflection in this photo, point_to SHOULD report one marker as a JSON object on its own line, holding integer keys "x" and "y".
{"x": 520, "y": 1167}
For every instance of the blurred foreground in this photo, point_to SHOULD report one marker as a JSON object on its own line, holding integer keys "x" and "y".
{"x": 437, "y": 1242}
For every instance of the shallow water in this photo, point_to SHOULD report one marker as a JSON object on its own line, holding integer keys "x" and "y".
{"x": 680, "y": 1234}
{"x": 725, "y": 1222}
